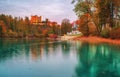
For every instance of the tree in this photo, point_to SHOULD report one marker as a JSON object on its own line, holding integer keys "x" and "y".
{"x": 83, "y": 8}
{"x": 65, "y": 26}
{"x": 107, "y": 11}
{"x": 2, "y": 28}
{"x": 0, "y": 31}
{"x": 27, "y": 25}
{"x": 83, "y": 25}
{"x": 102, "y": 12}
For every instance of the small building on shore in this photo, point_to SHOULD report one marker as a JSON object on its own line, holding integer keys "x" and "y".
{"x": 74, "y": 30}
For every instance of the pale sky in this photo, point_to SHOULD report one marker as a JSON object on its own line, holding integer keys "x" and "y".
{"x": 54, "y": 10}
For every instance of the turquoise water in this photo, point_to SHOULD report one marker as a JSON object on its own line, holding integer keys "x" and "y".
{"x": 44, "y": 58}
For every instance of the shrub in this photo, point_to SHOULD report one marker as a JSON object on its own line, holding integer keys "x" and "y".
{"x": 105, "y": 33}
{"x": 37, "y": 35}
{"x": 52, "y": 35}
{"x": 11, "y": 34}
{"x": 20, "y": 35}
{"x": 115, "y": 33}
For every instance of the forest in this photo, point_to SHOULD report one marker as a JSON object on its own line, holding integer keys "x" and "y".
{"x": 105, "y": 14}
{"x": 18, "y": 27}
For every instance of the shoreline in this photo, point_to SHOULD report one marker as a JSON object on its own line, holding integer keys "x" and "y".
{"x": 90, "y": 39}
{"x": 94, "y": 39}
{"x": 66, "y": 37}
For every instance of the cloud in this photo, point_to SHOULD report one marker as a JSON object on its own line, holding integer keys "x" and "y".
{"x": 55, "y": 10}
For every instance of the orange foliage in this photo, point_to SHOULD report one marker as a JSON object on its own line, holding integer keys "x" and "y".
{"x": 92, "y": 28}
{"x": 3, "y": 27}
{"x": 87, "y": 15}
{"x": 52, "y": 35}
{"x": 115, "y": 34}
{"x": 84, "y": 18}
{"x": 44, "y": 32}
{"x": 52, "y": 23}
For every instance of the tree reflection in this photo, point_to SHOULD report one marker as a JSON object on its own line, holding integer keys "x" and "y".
{"x": 50, "y": 47}
{"x": 84, "y": 64}
{"x": 10, "y": 48}
{"x": 65, "y": 47}
{"x": 98, "y": 61}
{"x": 34, "y": 49}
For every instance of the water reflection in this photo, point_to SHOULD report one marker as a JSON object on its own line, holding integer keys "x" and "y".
{"x": 65, "y": 48}
{"x": 35, "y": 49}
{"x": 8, "y": 49}
{"x": 100, "y": 60}
{"x": 59, "y": 58}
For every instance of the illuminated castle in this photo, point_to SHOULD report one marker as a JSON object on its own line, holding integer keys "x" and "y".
{"x": 36, "y": 19}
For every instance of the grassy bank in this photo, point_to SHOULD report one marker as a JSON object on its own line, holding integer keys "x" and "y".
{"x": 98, "y": 40}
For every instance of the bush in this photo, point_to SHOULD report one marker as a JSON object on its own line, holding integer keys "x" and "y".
{"x": 105, "y": 33}
{"x": 52, "y": 35}
{"x": 20, "y": 35}
{"x": 37, "y": 35}
{"x": 5, "y": 35}
{"x": 115, "y": 33}
{"x": 11, "y": 34}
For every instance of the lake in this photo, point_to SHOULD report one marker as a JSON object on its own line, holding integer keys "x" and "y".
{"x": 45, "y": 58}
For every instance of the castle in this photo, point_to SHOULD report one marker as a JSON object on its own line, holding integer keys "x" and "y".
{"x": 37, "y": 20}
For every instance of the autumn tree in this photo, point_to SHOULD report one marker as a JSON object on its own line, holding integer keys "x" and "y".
{"x": 65, "y": 26}
{"x": 82, "y": 8}
{"x": 27, "y": 25}
{"x": 3, "y": 28}
{"x": 0, "y": 31}
{"x": 107, "y": 12}
{"x": 83, "y": 24}
{"x": 4, "y": 19}
{"x": 102, "y": 12}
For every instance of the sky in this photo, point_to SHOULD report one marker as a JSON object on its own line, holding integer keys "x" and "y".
{"x": 54, "y": 10}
